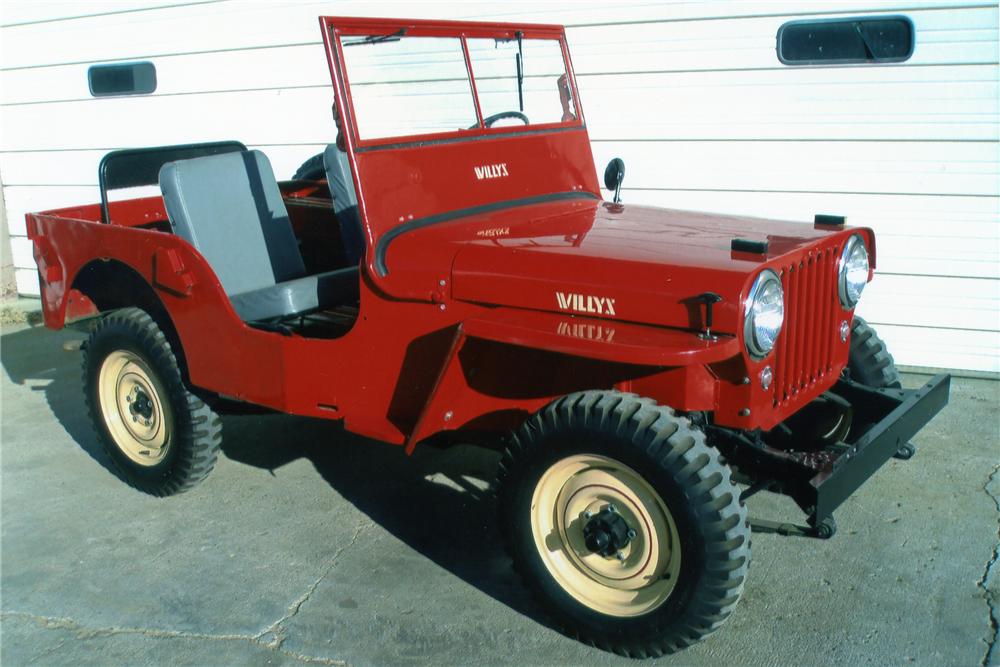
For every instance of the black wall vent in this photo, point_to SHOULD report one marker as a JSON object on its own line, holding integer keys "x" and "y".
{"x": 122, "y": 79}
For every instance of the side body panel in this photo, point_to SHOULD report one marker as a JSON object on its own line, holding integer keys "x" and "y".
{"x": 379, "y": 377}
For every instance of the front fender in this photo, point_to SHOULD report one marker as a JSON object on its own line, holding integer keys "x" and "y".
{"x": 676, "y": 360}
{"x": 607, "y": 340}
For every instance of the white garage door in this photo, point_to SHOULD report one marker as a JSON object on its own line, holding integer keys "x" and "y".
{"x": 690, "y": 94}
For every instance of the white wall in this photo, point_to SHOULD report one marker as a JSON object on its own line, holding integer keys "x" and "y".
{"x": 690, "y": 94}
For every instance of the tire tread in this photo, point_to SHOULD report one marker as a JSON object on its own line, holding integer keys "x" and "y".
{"x": 672, "y": 443}
{"x": 198, "y": 429}
{"x": 869, "y": 360}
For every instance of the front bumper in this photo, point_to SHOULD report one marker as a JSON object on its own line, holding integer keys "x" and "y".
{"x": 884, "y": 421}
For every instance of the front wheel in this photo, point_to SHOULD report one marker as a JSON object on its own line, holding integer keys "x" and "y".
{"x": 162, "y": 438}
{"x": 624, "y": 522}
{"x": 869, "y": 359}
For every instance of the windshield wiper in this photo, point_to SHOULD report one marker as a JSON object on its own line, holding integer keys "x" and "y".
{"x": 520, "y": 70}
{"x": 378, "y": 39}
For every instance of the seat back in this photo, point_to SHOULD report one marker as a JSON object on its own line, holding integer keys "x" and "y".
{"x": 229, "y": 207}
{"x": 135, "y": 167}
{"x": 345, "y": 202}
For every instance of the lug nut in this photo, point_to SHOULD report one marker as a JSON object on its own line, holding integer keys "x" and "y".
{"x": 134, "y": 418}
{"x": 620, "y": 556}
{"x": 612, "y": 508}
{"x": 588, "y": 515}
{"x": 631, "y": 533}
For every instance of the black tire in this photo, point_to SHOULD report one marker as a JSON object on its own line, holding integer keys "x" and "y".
{"x": 192, "y": 432}
{"x": 672, "y": 457}
{"x": 311, "y": 170}
{"x": 869, "y": 360}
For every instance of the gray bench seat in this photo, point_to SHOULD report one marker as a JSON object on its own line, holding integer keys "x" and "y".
{"x": 297, "y": 297}
{"x": 229, "y": 207}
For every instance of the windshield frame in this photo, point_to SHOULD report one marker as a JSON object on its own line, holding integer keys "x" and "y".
{"x": 337, "y": 29}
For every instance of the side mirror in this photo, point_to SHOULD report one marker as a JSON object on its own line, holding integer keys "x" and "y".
{"x": 613, "y": 177}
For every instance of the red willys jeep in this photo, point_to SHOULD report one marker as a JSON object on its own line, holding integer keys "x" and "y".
{"x": 448, "y": 264}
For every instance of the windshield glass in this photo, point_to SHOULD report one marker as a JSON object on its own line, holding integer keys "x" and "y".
{"x": 540, "y": 92}
{"x": 410, "y": 85}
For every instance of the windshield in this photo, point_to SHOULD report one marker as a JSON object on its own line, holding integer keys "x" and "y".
{"x": 404, "y": 86}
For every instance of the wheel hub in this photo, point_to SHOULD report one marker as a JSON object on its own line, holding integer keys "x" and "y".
{"x": 138, "y": 419}
{"x": 605, "y": 535}
{"x": 140, "y": 405}
{"x": 607, "y": 532}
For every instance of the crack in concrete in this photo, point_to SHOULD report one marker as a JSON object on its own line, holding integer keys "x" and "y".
{"x": 271, "y": 638}
{"x": 277, "y": 629}
{"x": 988, "y": 573}
{"x": 84, "y": 632}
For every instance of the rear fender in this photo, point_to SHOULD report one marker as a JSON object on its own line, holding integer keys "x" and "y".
{"x": 176, "y": 278}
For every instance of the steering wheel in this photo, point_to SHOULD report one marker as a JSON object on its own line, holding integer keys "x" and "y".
{"x": 489, "y": 120}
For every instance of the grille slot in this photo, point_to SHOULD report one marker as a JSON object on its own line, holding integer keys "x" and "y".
{"x": 806, "y": 343}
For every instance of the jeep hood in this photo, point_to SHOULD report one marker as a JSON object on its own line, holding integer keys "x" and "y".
{"x": 630, "y": 263}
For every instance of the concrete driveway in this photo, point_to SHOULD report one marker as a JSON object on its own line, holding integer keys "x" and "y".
{"x": 309, "y": 545}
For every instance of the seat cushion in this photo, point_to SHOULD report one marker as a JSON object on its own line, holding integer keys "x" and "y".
{"x": 297, "y": 297}
{"x": 229, "y": 207}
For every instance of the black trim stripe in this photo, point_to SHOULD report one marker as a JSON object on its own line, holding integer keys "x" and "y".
{"x": 382, "y": 247}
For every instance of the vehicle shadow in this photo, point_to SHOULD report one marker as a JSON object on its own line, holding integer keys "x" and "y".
{"x": 438, "y": 501}
{"x": 35, "y": 357}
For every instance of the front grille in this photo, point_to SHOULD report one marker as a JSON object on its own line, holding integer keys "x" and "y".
{"x": 807, "y": 339}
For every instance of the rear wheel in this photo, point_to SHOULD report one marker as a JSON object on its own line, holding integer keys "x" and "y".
{"x": 624, "y": 522}
{"x": 162, "y": 438}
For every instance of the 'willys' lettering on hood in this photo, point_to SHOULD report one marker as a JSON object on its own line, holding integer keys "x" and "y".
{"x": 586, "y": 303}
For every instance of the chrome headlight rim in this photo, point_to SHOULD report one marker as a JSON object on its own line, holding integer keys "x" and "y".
{"x": 855, "y": 242}
{"x": 753, "y": 346}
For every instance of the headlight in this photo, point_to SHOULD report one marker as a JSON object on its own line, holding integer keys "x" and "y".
{"x": 764, "y": 313}
{"x": 853, "y": 272}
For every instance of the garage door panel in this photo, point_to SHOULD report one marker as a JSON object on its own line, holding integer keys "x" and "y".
{"x": 80, "y": 167}
{"x": 183, "y": 29}
{"x": 946, "y": 303}
{"x": 279, "y": 67}
{"x": 748, "y": 43}
{"x": 860, "y": 209}
{"x": 876, "y": 167}
{"x": 941, "y": 348}
{"x": 27, "y": 281}
{"x": 274, "y": 117}
{"x": 21, "y": 200}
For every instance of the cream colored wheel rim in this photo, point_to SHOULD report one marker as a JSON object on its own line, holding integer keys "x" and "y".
{"x": 642, "y": 575}
{"x": 137, "y": 418}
